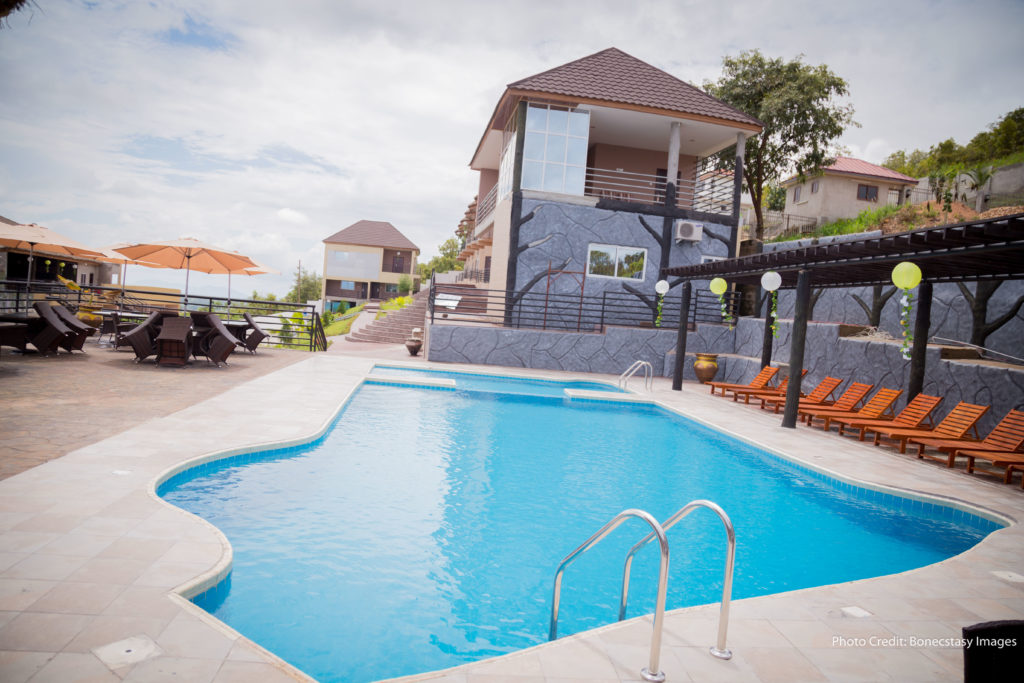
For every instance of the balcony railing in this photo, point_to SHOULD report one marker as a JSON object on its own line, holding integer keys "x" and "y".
{"x": 486, "y": 206}
{"x": 474, "y": 275}
{"x": 711, "y": 193}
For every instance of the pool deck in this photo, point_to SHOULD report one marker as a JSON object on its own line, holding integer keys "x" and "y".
{"x": 92, "y": 563}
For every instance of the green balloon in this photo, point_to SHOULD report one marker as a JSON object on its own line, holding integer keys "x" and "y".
{"x": 906, "y": 275}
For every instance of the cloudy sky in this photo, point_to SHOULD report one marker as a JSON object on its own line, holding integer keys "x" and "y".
{"x": 265, "y": 126}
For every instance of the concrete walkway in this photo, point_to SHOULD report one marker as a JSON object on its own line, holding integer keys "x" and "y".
{"x": 93, "y": 564}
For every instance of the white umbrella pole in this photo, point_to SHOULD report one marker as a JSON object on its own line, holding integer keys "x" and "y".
{"x": 229, "y": 288}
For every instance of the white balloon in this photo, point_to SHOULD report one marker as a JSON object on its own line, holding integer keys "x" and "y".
{"x": 661, "y": 287}
{"x": 771, "y": 280}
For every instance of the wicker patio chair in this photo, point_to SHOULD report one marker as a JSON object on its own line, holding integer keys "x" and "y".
{"x": 74, "y": 324}
{"x": 255, "y": 336}
{"x": 141, "y": 338}
{"x": 52, "y": 334}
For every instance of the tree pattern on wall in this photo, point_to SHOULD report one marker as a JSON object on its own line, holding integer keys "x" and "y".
{"x": 879, "y": 297}
{"x": 981, "y": 328}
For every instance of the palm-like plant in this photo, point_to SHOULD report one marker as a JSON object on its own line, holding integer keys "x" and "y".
{"x": 980, "y": 177}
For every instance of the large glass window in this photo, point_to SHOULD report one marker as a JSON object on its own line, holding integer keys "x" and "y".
{"x": 606, "y": 260}
{"x": 352, "y": 264}
{"x": 555, "y": 149}
{"x": 507, "y": 167}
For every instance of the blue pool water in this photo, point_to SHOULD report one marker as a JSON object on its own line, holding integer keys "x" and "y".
{"x": 495, "y": 383}
{"x": 424, "y": 529}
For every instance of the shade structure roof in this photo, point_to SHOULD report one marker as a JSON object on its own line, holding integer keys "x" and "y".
{"x": 991, "y": 249}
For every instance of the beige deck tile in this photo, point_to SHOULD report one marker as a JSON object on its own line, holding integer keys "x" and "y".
{"x": 250, "y": 672}
{"x": 69, "y": 667}
{"x": 134, "y": 548}
{"x": 138, "y": 600}
{"x": 699, "y": 665}
{"x": 193, "y": 552}
{"x": 45, "y": 567}
{"x": 18, "y": 594}
{"x": 41, "y": 632}
{"x": 81, "y": 545}
{"x": 50, "y": 522}
{"x": 170, "y": 574}
{"x": 189, "y": 636}
{"x": 24, "y": 541}
{"x": 173, "y": 670}
{"x": 104, "y": 630}
{"x": 18, "y": 667}
{"x": 781, "y": 665}
{"x": 114, "y": 570}
{"x": 77, "y": 598}
{"x": 576, "y": 658}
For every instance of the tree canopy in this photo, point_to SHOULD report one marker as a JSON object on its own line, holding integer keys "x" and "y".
{"x": 1003, "y": 138}
{"x": 307, "y": 286}
{"x": 444, "y": 261}
{"x": 797, "y": 103}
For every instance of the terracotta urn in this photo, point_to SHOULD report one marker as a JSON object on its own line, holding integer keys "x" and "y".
{"x": 413, "y": 345}
{"x": 705, "y": 366}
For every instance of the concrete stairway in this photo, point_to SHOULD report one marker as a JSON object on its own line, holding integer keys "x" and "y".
{"x": 396, "y": 327}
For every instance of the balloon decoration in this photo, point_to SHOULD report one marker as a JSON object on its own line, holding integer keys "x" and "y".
{"x": 906, "y": 275}
{"x": 661, "y": 289}
{"x": 718, "y": 287}
{"x": 771, "y": 281}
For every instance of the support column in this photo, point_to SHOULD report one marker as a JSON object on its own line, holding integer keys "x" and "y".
{"x": 737, "y": 193}
{"x": 918, "y": 352}
{"x": 768, "y": 339}
{"x": 796, "y": 348}
{"x": 672, "y": 165}
{"x": 684, "y": 325}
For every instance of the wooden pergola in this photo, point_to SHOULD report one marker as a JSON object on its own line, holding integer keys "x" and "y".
{"x": 991, "y": 249}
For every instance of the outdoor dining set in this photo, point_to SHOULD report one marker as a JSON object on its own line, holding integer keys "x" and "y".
{"x": 171, "y": 338}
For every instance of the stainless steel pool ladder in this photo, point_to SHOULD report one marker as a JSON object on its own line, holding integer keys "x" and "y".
{"x": 719, "y": 649}
{"x": 635, "y": 368}
{"x": 652, "y": 672}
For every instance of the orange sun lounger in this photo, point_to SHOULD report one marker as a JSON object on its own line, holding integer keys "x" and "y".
{"x": 879, "y": 404}
{"x": 759, "y": 382}
{"x": 768, "y": 392}
{"x": 818, "y": 397}
{"x": 1007, "y": 437}
{"x": 917, "y": 411}
{"x": 960, "y": 420}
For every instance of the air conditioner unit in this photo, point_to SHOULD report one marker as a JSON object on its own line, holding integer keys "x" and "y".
{"x": 688, "y": 231}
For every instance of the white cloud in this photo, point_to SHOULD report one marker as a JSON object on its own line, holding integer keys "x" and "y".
{"x": 307, "y": 121}
{"x": 292, "y": 216}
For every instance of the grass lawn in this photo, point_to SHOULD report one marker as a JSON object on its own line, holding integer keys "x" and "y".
{"x": 342, "y": 326}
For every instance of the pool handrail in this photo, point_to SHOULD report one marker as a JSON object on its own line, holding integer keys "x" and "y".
{"x": 636, "y": 366}
{"x": 652, "y": 672}
{"x": 719, "y": 649}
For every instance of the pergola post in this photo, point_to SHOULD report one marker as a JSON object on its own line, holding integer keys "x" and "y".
{"x": 919, "y": 350}
{"x": 684, "y": 324}
{"x": 766, "y": 342}
{"x": 796, "y": 348}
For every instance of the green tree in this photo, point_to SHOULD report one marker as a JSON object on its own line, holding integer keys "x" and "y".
{"x": 307, "y": 286}
{"x": 796, "y": 103}
{"x": 979, "y": 177}
{"x": 775, "y": 198}
{"x": 404, "y": 284}
{"x": 444, "y": 261}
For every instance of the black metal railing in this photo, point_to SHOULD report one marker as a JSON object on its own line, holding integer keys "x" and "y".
{"x": 474, "y": 275}
{"x": 287, "y": 324}
{"x": 571, "y": 312}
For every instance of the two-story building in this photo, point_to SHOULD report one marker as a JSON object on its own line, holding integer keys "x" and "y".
{"x": 844, "y": 189}
{"x": 365, "y": 261}
{"x": 608, "y": 167}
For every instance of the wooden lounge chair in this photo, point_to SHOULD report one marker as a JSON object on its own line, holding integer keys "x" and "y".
{"x": 255, "y": 336}
{"x": 52, "y": 333}
{"x": 75, "y": 325}
{"x": 880, "y": 404}
{"x": 1007, "y": 436}
{"x": 818, "y": 397}
{"x": 1009, "y": 461}
{"x": 962, "y": 419}
{"x": 767, "y": 392}
{"x": 174, "y": 341}
{"x": 141, "y": 338}
{"x": 759, "y": 382}
{"x": 917, "y": 412}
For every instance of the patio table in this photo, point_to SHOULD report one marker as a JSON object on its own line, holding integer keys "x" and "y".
{"x": 14, "y": 334}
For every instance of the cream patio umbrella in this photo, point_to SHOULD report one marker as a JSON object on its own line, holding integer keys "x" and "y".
{"x": 258, "y": 269}
{"x": 33, "y": 237}
{"x": 111, "y": 255}
{"x": 190, "y": 254}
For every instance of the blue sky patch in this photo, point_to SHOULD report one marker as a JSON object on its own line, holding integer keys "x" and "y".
{"x": 197, "y": 34}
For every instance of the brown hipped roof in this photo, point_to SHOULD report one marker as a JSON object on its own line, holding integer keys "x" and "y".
{"x": 372, "y": 234}
{"x": 613, "y": 76}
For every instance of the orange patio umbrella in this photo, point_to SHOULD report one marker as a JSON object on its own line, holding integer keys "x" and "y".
{"x": 190, "y": 254}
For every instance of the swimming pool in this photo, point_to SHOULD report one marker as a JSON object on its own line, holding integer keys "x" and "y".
{"x": 432, "y": 523}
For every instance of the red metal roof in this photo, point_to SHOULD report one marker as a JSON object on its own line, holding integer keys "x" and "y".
{"x": 372, "y": 234}
{"x": 861, "y": 167}
{"x": 614, "y": 76}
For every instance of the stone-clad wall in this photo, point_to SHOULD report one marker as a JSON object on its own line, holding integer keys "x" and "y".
{"x": 826, "y": 353}
{"x": 951, "y": 313}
